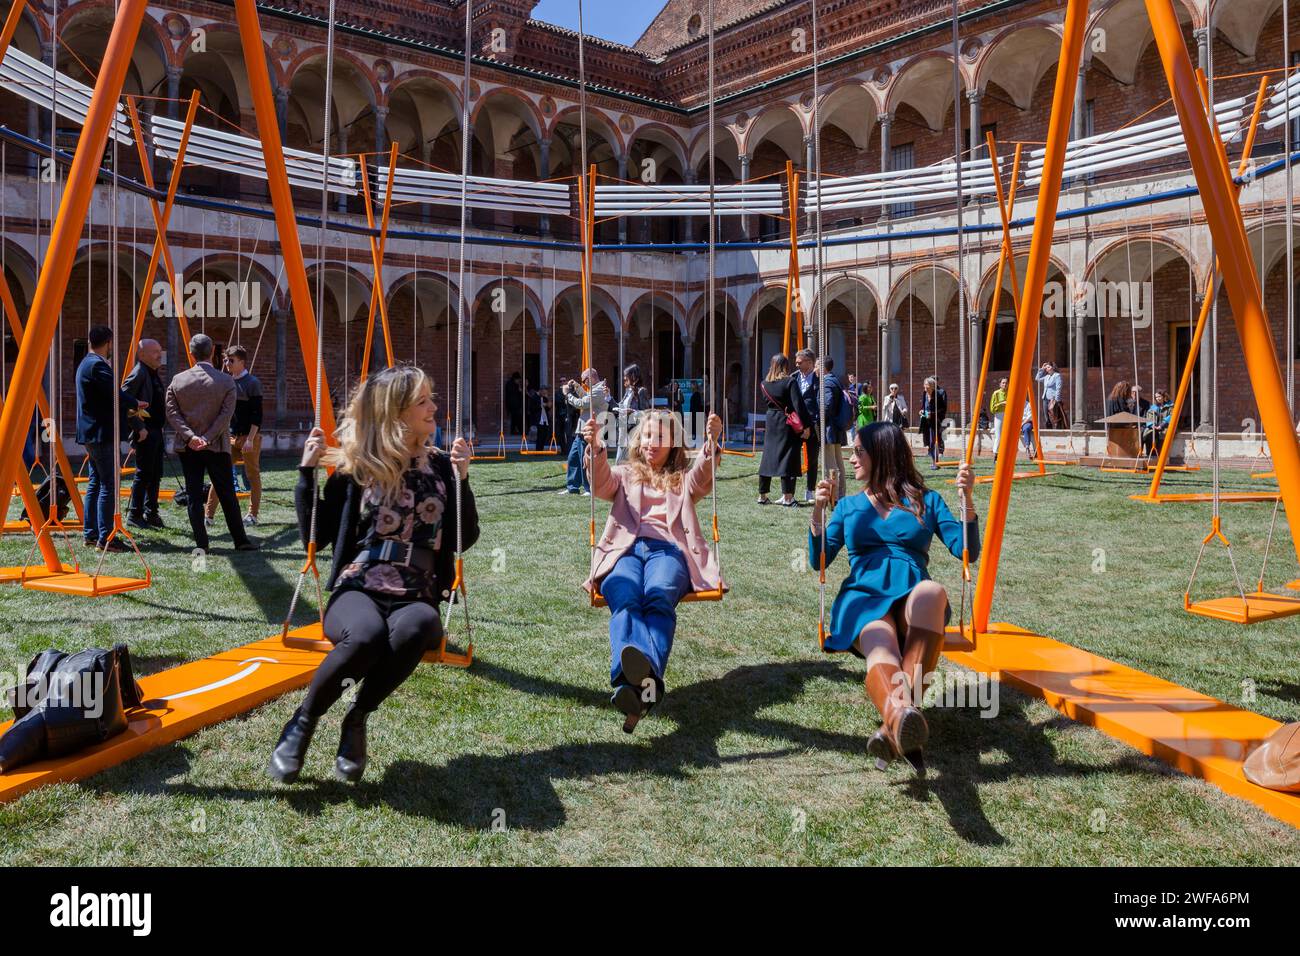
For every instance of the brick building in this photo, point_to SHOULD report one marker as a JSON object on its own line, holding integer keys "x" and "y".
{"x": 894, "y": 288}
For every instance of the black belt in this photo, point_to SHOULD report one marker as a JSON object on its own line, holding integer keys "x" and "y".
{"x": 402, "y": 553}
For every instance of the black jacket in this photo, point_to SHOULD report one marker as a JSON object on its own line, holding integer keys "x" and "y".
{"x": 782, "y": 449}
{"x": 95, "y": 403}
{"x": 144, "y": 384}
{"x": 339, "y": 521}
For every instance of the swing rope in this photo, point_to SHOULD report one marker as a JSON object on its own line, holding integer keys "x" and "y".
{"x": 819, "y": 316}
{"x": 310, "y": 564}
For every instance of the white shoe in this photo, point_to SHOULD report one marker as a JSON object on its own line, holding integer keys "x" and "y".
{"x": 586, "y": 494}
{"x": 566, "y": 491}
{"x": 250, "y": 520}
{"x": 207, "y": 522}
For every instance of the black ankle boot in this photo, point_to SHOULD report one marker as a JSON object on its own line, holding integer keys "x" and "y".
{"x": 351, "y": 761}
{"x": 286, "y": 759}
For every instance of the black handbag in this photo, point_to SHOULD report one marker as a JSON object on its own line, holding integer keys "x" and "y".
{"x": 68, "y": 702}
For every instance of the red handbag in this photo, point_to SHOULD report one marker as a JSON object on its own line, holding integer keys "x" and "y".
{"x": 792, "y": 418}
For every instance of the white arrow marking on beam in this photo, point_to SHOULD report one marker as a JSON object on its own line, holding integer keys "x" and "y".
{"x": 253, "y": 662}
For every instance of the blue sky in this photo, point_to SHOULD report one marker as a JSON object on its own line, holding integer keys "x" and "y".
{"x": 618, "y": 21}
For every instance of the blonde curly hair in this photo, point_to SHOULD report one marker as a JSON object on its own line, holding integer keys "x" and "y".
{"x": 668, "y": 477}
{"x": 373, "y": 447}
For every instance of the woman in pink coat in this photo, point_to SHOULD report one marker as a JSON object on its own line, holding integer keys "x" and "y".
{"x": 652, "y": 551}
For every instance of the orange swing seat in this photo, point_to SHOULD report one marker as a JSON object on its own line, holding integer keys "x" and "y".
{"x": 89, "y": 584}
{"x": 693, "y": 597}
{"x": 1253, "y": 609}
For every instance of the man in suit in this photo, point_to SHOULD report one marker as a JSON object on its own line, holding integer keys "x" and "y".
{"x": 200, "y": 403}
{"x": 144, "y": 384}
{"x": 836, "y": 438}
{"x": 806, "y": 383}
{"x": 97, "y": 431}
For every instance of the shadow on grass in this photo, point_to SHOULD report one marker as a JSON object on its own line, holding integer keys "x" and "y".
{"x": 470, "y": 791}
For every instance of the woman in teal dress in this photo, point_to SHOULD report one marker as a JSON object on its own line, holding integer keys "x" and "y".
{"x": 888, "y": 610}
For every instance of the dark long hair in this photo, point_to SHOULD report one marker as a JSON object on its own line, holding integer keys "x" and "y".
{"x": 892, "y": 477}
{"x": 779, "y": 367}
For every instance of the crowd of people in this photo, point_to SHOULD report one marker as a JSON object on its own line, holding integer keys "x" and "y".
{"x": 386, "y": 510}
{"x": 211, "y": 412}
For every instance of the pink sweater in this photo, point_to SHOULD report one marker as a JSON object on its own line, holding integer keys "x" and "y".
{"x": 617, "y": 485}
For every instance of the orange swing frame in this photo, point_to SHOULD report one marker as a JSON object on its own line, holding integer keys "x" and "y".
{"x": 1153, "y": 495}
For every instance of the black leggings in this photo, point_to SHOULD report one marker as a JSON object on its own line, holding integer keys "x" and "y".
{"x": 787, "y": 484}
{"x": 378, "y": 641}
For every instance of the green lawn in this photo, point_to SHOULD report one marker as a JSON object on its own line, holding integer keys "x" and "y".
{"x": 756, "y": 755}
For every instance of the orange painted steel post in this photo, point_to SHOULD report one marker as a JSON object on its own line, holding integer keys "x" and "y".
{"x": 160, "y": 219}
{"x": 286, "y": 223}
{"x": 42, "y": 401}
{"x": 1029, "y": 396}
{"x": 1031, "y": 303}
{"x": 65, "y": 235}
{"x": 11, "y": 25}
{"x": 377, "y": 245}
{"x": 1004, "y": 202}
{"x": 1219, "y": 198}
{"x": 792, "y": 271}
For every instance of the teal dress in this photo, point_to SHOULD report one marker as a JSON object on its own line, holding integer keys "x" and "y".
{"x": 888, "y": 557}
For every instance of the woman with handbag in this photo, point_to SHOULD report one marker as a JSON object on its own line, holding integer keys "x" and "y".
{"x": 389, "y": 512}
{"x": 787, "y": 425}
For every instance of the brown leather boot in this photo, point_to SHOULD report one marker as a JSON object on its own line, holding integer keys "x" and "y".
{"x": 920, "y": 658}
{"x": 903, "y": 728}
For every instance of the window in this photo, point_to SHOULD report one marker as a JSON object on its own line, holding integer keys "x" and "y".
{"x": 902, "y": 157}
{"x": 693, "y": 25}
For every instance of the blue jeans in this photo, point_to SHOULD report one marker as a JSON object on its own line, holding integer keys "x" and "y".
{"x": 642, "y": 593}
{"x": 99, "y": 491}
{"x": 576, "y": 480}
{"x": 1027, "y": 438}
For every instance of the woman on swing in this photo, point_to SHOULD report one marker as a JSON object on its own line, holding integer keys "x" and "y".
{"x": 888, "y": 610}
{"x": 652, "y": 551}
{"x": 389, "y": 512}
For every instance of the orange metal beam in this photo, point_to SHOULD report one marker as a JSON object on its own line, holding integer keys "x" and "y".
{"x": 996, "y": 302}
{"x": 1219, "y": 199}
{"x": 286, "y": 222}
{"x": 11, "y": 25}
{"x": 65, "y": 235}
{"x": 792, "y": 272}
{"x": 160, "y": 219}
{"x": 1031, "y": 303}
{"x": 377, "y": 245}
{"x": 42, "y": 403}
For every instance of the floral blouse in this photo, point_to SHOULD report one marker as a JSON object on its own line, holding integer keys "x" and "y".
{"x": 414, "y": 517}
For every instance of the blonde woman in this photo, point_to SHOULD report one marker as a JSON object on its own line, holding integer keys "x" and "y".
{"x": 652, "y": 552}
{"x": 389, "y": 513}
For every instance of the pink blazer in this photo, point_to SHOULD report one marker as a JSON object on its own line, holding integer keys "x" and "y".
{"x": 617, "y": 485}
